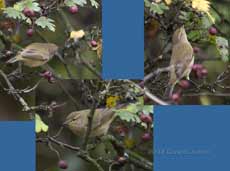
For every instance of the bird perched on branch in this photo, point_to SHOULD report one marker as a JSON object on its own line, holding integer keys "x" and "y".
{"x": 35, "y": 54}
{"x": 78, "y": 121}
{"x": 182, "y": 59}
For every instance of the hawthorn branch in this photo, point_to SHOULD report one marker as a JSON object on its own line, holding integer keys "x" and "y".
{"x": 87, "y": 65}
{"x": 80, "y": 153}
{"x": 132, "y": 157}
{"x": 154, "y": 98}
{"x": 90, "y": 123}
{"x": 16, "y": 95}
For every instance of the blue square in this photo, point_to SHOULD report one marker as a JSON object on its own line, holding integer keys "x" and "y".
{"x": 17, "y": 146}
{"x": 191, "y": 138}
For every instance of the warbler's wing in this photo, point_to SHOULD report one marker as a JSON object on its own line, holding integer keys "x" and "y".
{"x": 39, "y": 51}
{"x": 49, "y": 48}
{"x": 182, "y": 57}
{"x": 32, "y": 53}
{"x": 102, "y": 117}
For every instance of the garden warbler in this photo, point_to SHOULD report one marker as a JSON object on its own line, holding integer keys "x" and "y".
{"x": 181, "y": 60}
{"x": 35, "y": 54}
{"x": 77, "y": 122}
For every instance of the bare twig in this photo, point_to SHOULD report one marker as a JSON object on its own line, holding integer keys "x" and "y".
{"x": 154, "y": 98}
{"x": 157, "y": 72}
{"x": 88, "y": 66}
{"x": 26, "y": 107}
{"x": 80, "y": 153}
{"x": 90, "y": 122}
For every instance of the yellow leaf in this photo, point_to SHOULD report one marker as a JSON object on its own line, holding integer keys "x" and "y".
{"x": 129, "y": 142}
{"x": 2, "y": 4}
{"x": 111, "y": 101}
{"x": 77, "y": 34}
{"x": 168, "y": 2}
{"x": 205, "y": 100}
{"x": 201, "y": 5}
{"x": 16, "y": 38}
{"x": 40, "y": 126}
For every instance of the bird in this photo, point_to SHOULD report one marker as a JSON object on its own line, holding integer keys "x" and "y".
{"x": 182, "y": 59}
{"x": 77, "y": 122}
{"x": 35, "y": 54}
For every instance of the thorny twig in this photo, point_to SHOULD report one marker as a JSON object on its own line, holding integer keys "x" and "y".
{"x": 16, "y": 95}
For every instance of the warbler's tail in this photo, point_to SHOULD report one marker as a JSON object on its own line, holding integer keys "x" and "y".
{"x": 12, "y": 60}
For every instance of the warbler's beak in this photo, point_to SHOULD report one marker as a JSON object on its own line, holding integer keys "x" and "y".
{"x": 65, "y": 124}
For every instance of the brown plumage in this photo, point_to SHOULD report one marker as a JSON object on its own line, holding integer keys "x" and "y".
{"x": 35, "y": 54}
{"x": 181, "y": 60}
{"x": 77, "y": 122}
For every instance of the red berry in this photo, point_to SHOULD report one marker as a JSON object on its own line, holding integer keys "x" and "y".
{"x": 146, "y": 118}
{"x": 93, "y": 43}
{"x": 146, "y": 137}
{"x": 197, "y": 67}
{"x": 28, "y": 12}
{"x": 62, "y": 164}
{"x": 212, "y": 31}
{"x": 30, "y": 32}
{"x": 196, "y": 49}
{"x": 204, "y": 72}
{"x": 73, "y": 9}
{"x": 184, "y": 84}
{"x": 175, "y": 97}
{"x": 199, "y": 74}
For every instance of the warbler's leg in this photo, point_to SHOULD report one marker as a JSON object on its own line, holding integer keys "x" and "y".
{"x": 169, "y": 90}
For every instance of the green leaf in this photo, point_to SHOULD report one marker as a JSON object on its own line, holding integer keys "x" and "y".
{"x": 158, "y": 8}
{"x": 186, "y": 16}
{"x": 147, "y": 3}
{"x": 31, "y": 4}
{"x": 127, "y": 116}
{"x": 13, "y": 13}
{"x": 206, "y": 22}
{"x": 222, "y": 47}
{"x": 94, "y": 3}
{"x": 82, "y": 3}
{"x": 75, "y": 2}
{"x": 69, "y": 3}
{"x": 45, "y": 22}
{"x": 194, "y": 35}
{"x": 147, "y": 109}
{"x": 40, "y": 126}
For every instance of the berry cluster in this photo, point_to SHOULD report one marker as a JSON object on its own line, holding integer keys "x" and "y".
{"x": 148, "y": 120}
{"x": 30, "y": 14}
{"x": 200, "y": 70}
